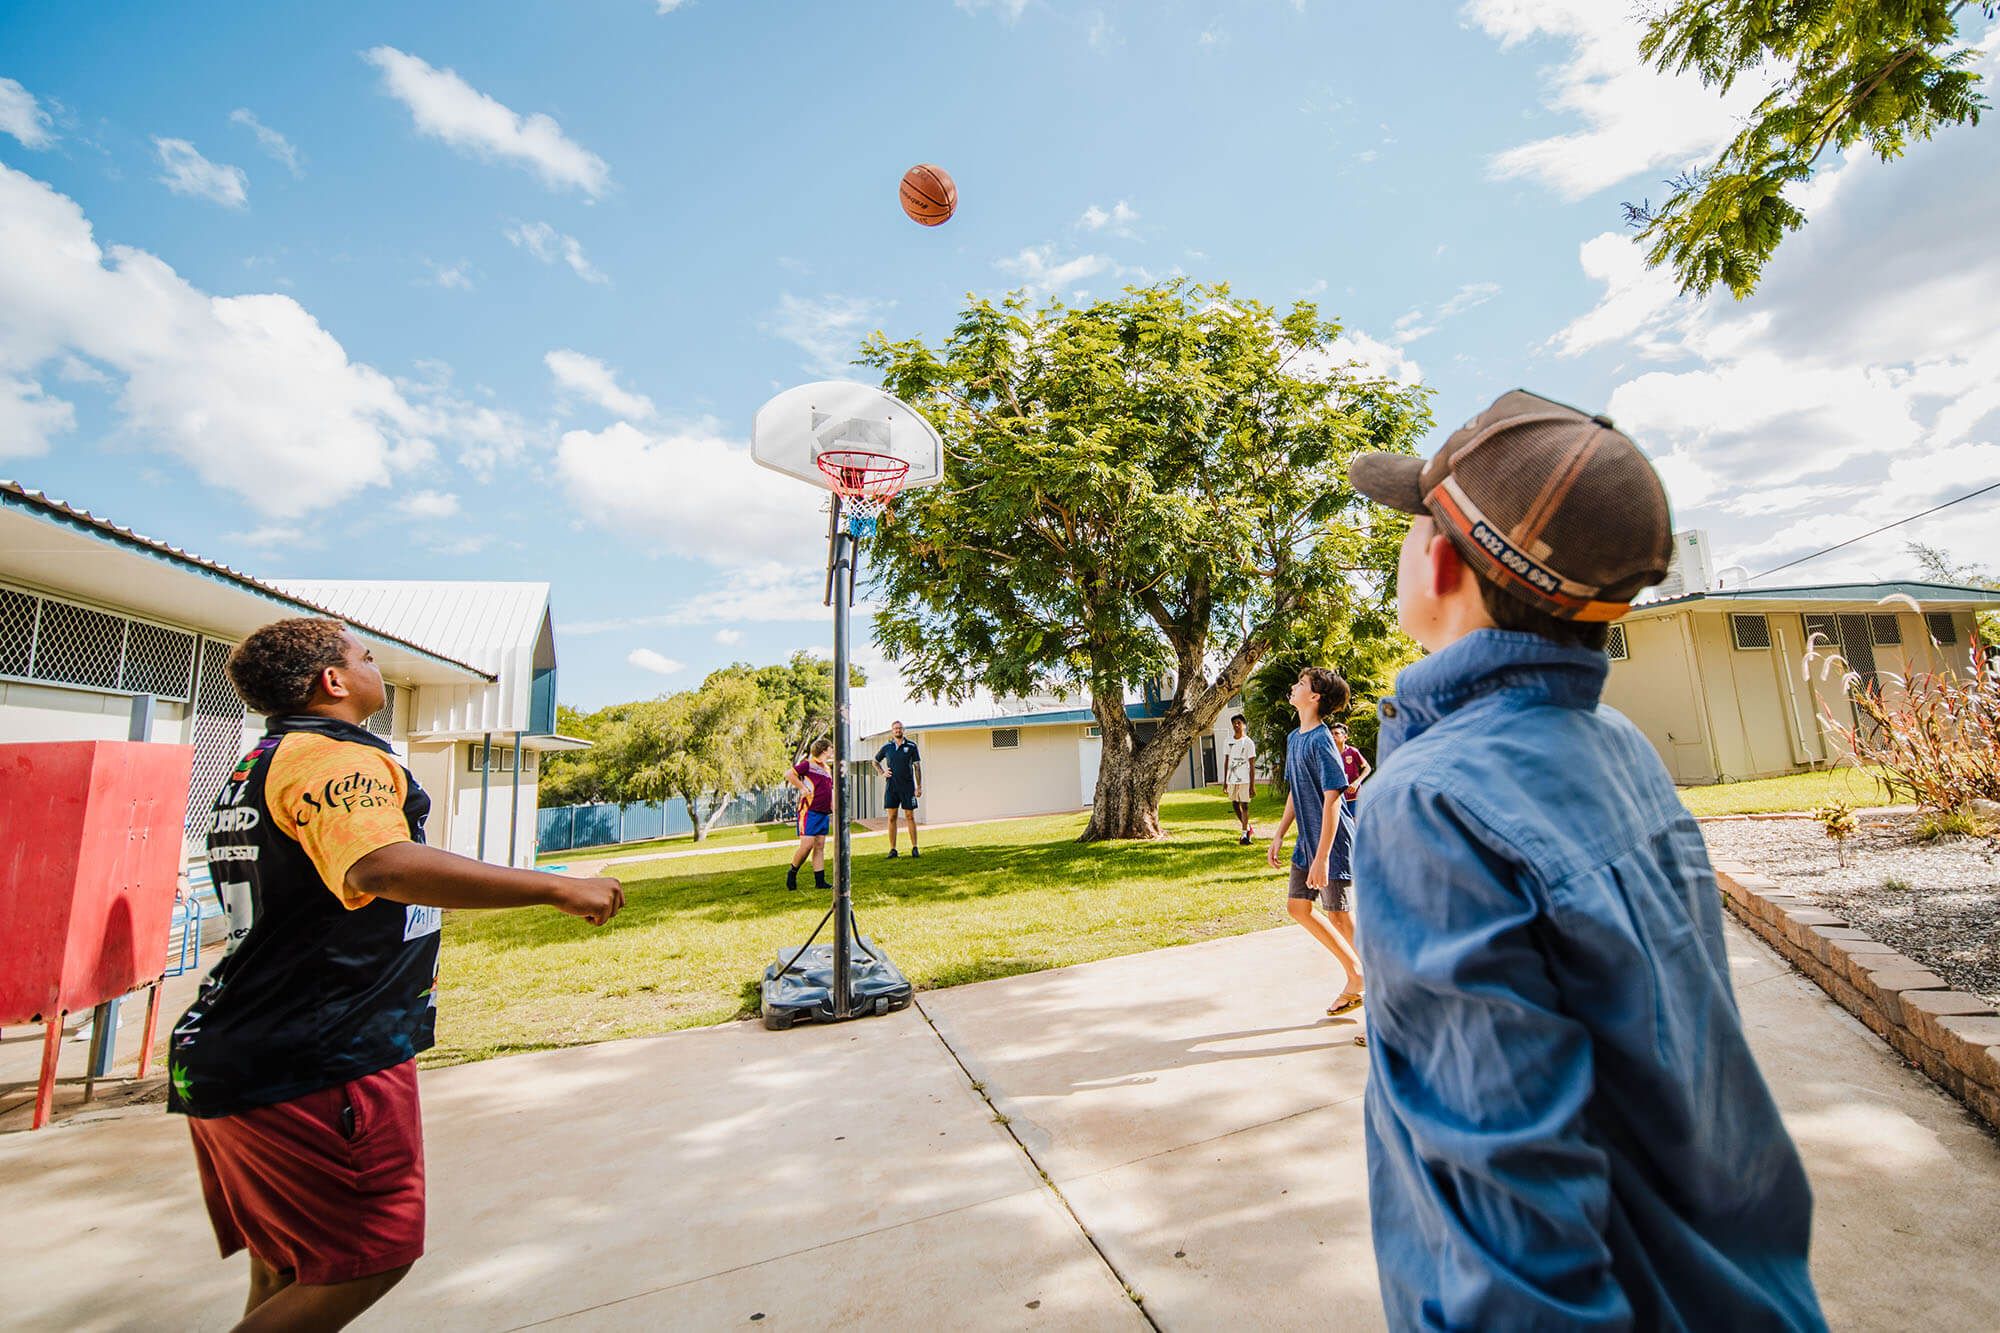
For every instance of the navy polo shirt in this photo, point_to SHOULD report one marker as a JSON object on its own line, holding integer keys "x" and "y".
{"x": 902, "y": 761}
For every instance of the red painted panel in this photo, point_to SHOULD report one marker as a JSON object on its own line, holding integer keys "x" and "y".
{"x": 90, "y": 852}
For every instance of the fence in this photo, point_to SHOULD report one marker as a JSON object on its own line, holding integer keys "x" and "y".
{"x": 565, "y": 828}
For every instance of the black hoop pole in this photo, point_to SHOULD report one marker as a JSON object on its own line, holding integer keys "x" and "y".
{"x": 842, "y": 589}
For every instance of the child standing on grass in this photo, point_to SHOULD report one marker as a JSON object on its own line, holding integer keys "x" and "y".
{"x": 813, "y": 776}
{"x": 1565, "y": 1125}
{"x": 1320, "y": 874}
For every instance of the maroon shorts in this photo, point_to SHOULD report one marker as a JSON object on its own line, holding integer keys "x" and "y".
{"x": 328, "y": 1187}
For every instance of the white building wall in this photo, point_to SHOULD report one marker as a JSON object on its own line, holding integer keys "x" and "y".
{"x": 53, "y": 713}
{"x": 966, "y": 778}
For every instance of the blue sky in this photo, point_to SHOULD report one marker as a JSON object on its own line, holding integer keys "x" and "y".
{"x": 492, "y": 292}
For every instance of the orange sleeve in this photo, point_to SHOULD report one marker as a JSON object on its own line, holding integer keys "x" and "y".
{"x": 339, "y": 801}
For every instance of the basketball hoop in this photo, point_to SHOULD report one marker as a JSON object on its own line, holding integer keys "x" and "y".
{"x": 870, "y": 482}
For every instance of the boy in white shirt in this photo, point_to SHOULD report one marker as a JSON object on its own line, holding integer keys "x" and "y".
{"x": 1239, "y": 775}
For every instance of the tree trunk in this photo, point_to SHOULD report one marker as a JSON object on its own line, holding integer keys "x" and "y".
{"x": 694, "y": 817}
{"x": 1131, "y": 778}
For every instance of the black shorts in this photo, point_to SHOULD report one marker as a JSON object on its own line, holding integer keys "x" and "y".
{"x": 900, "y": 796}
{"x": 1334, "y": 897}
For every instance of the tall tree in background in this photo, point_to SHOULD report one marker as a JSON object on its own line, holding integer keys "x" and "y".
{"x": 577, "y": 777}
{"x": 801, "y": 694}
{"x": 1871, "y": 74}
{"x": 1144, "y": 487}
{"x": 702, "y": 746}
{"x": 1939, "y": 565}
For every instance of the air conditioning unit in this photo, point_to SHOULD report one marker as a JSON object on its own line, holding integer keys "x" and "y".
{"x": 1692, "y": 568}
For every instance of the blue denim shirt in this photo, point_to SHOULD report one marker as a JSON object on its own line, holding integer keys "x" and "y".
{"x": 1565, "y": 1125}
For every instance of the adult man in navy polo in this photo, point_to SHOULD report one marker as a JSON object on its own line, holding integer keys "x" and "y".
{"x": 903, "y": 771}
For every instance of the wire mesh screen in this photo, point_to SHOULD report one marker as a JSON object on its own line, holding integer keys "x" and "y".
{"x": 384, "y": 717}
{"x": 78, "y": 646}
{"x": 1750, "y": 632}
{"x": 218, "y": 740}
{"x": 1614, "y": 644}
{"x": 1828, "y": 630}
{"x": 1942, "y": 627}
{"x": 1885, "y": 629}
{"x": 17, "y": 631}
{"x": 158, "y": 661}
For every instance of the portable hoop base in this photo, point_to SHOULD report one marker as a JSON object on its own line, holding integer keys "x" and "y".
{"x": 805, "y": 994}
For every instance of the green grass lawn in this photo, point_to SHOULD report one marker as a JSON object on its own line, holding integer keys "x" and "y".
{"x": 985, "y": 901}
{"x": 1794, "y": 791}
{"x": 739, "y": 835}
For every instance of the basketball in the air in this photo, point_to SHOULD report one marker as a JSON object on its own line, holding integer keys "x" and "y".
{"x": 929, "y": 195}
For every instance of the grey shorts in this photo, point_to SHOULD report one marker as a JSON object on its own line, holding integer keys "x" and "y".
{"x": 1335, "y": 897}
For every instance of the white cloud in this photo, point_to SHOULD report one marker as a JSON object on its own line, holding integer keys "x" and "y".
{"x": 1854, "y": 388}
{"x": 691, "y": 492}
{"x": 428, "y": 504}
{"x": 828, "y": 330}
{"x": 1376, "y": 357}
{"x": 22, "y": 116}
{"x": 648, "y": 660}
{"x": 1633, "y": 118}
{"x": 729, "y": 638}
{"x": 669, "y": 6}
{"x": 249, "y": 392}
{"x": 1038, "y": 271}
{"x": 1465, "y": 298}
{"x": 186, "y": 171}
{"x": 1119, "y": 218}
{"x": 548, "y": 245}
{"x": 451, "y": 277}
{"x": 1011, "y": 10}
{"x": 447, "y": 108}
{"x": 587, "y": 377}
{"x": 277, "y": 145}
{"x": 29, "y": 417}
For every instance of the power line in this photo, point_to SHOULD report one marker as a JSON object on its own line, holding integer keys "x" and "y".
{"x": 1971, "y": 495}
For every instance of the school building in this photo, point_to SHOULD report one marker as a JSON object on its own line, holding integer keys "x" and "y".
{"x": 94, "y": 616}
{"x": 1720, "y": 683}
{"x": 1027, "y": 758}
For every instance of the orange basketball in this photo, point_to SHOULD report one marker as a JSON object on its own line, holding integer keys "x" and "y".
{"x": 929, "y": 196}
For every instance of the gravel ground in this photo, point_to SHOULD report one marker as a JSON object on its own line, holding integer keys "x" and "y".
{"x": 1938, "y": 903}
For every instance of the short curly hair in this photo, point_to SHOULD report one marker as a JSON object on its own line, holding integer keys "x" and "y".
{"x": 277, "y": 668}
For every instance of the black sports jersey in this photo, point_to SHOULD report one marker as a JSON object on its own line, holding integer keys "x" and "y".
{"x": 319, "y": 985}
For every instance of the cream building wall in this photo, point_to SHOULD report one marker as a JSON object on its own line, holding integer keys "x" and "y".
{"x": 1717, "y": 712}
{"x": 967, "y": 777}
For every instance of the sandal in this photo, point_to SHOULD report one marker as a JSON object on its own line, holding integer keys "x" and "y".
{"x": 1361, "y": 1039}
{"x": 1344, "y": 1003}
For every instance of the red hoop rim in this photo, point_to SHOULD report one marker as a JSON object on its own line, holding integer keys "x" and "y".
{"x": 863, "y": 474}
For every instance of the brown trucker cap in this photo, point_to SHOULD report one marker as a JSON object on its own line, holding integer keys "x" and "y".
{"x": 1554, "y": 505}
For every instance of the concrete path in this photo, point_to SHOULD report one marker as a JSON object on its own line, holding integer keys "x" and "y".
{"x": 1198, "y": 1119}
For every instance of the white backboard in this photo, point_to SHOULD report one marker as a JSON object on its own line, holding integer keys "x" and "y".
{"x": 795, "y": 427}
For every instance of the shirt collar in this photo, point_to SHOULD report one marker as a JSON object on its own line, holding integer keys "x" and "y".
{"x": 1485, "y": 662}
{"x": 325, "y": 726}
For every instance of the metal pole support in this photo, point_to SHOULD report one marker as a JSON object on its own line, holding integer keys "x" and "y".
{"x": 842, "y": 593}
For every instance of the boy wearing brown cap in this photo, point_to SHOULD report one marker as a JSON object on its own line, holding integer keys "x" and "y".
{"x": 1565, "y": 1125}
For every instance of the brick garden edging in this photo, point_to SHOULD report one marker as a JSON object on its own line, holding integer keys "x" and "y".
{"x": 1950, "y": 1035}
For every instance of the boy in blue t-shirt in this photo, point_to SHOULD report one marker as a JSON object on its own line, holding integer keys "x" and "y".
{"x": 1316, "y": 782}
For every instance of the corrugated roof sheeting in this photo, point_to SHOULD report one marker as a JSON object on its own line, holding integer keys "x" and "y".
{"x": 495, "y": 625}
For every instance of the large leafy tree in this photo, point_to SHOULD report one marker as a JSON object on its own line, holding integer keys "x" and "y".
{"x": 1144, "y": 488}
{"x": 799, "y": 693}
{"x": 578, "y": 777}
{"x": 702, "y": 746}
{"x": 1875, "y": 75}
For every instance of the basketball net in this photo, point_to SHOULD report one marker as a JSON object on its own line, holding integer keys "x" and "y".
{"x": 869, "y": 482}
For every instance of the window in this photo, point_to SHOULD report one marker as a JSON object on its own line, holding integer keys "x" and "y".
{"x": 1885, "y": 629}
{"x": 1614, "y": 645}
{"x": 1942, "y": 627}
{"x": 1006, "y": 738}
{"x": 63, "y": 643}
{"x": 503, "y": 758}
{"x": 1750, "y": 633}
{"x": 1827, "y": 628}
{"x": 1094, "y": 732}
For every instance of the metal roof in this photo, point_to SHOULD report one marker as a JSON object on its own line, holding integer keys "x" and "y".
{"x": 481, "y": 623}
{"x": 1922, "y": 593}
{"x": 58, "y": 556}
{"x": 1006, "y": 721}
